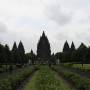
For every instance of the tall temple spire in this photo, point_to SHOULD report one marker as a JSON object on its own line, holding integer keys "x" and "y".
{"x": 43, "y": 48}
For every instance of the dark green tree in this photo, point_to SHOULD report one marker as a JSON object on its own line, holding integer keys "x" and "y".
{"x": 88, "y": 55}
{"x": 81, "y": 52}
{"x": 59, "y": 56}
{"x": 32, "y": 57}
{"x": 79, "y": 55}
{"x": 7, "y": 56}
{"x": 53, "y": 59}
{"x": 2, "y": 57}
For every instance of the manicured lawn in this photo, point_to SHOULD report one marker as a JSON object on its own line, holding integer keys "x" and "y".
{"x": 79, "y": 66}
{"x": 85, "y": 66}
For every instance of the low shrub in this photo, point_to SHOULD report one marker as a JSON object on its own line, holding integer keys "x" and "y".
{"x": 13, "y": 81}
{"x": 81, "y": 83}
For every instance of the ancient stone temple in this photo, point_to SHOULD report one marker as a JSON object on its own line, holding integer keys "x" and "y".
{"x": 43, "y": 49}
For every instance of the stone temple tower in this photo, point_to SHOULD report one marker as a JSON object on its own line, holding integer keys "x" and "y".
{"x": 43, "y": 49}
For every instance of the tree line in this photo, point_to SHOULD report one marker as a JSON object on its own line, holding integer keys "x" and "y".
{"x": 14, "y": 56}
{"x": 73, "y": 55}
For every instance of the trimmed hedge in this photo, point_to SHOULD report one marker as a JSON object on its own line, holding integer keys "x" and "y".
{"x": 13, "y": 81}
{"x": 81, "y": 83}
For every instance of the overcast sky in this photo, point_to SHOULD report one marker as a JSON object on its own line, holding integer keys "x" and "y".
{"x": 61, "y": 20}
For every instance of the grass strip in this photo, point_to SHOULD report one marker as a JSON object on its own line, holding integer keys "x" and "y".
{"x": 46, "y": 79}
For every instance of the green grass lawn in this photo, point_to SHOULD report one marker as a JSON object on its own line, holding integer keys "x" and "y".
{"x": 85, "y": 66}
{"x": 46, "y": 79}
{"x": 79, "y": 66}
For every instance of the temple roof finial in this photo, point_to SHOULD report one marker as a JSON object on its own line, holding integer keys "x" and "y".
{"x": 43, "y": 33}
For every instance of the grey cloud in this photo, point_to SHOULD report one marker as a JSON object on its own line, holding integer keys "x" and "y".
{"x": 61, "y": 36}
{"x": 3, "y": 28}
{"x": 28, "y": 18}
{"x": 58, "y": 14}
{"x": 85, "y": 37}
